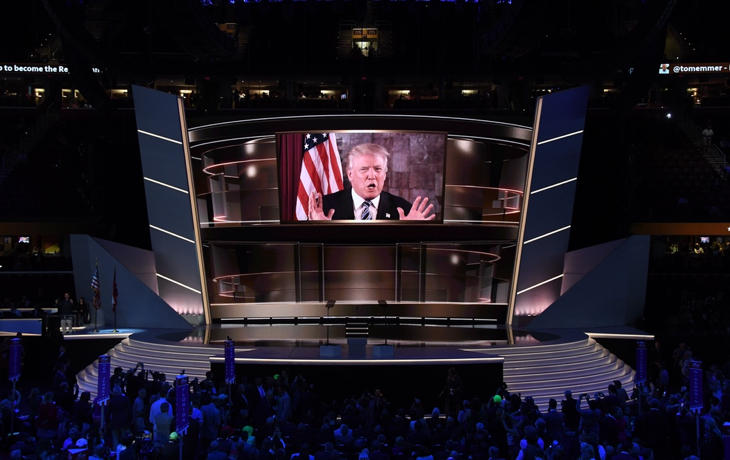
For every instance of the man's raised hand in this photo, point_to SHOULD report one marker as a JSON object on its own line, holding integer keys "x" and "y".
{"x": 420, "y": 210}
{"x": 316, "y": 212}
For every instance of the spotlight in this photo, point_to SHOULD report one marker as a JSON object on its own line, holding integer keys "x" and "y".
{"x": 669, "y": 115}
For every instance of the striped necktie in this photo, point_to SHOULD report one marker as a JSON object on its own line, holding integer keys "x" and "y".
{"x": 366, "y": 210}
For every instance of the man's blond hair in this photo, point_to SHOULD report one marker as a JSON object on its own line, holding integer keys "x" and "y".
{"x": 367, "y": 149}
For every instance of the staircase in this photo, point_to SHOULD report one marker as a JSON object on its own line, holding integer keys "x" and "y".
{"x": 356, "y": 329}
{"x": 542, "y": 371}
{"x": 356, "y": 333}
{"x": 159, "y": 357}
{"x": 547, "y": 371}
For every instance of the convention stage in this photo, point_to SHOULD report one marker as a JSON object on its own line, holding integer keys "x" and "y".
{"x": 541, "y": 365}
{"x": 289, "y": 312}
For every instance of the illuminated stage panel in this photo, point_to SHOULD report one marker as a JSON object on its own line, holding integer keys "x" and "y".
{"x": 341, "y": 232}
{"x": 461, "y": 273}
{"x": 484, "y": 181}
{"x": 545, "y": 219}
{"x": 256, "y": 287}
{"x": 359, "y": 272}
{"x": 170, "y": 196}
{"x": 545, "y": 229}
{"x": 465, "y": 260}
{"x": 469, "y": 273}
{"x": 215, "y": 133}
{"x": 163, "y": 161}
{"x": 253, "y": 272}
{"x": 239, "y": 183}
{"x": 292, "y": 312}
{"x": 550, "y": 254}
{"x": 557, "y": 161}
{"x": 494, "y": 157}
{"x": 401, "y": 333}
{"x": 478, "y": 203}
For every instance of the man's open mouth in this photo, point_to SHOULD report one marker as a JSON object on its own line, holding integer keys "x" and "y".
{"x": 372, "y": 186}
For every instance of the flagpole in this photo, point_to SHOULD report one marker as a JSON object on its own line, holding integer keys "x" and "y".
{"x": 114, "y": 299}
{"x": 97, "y": 301}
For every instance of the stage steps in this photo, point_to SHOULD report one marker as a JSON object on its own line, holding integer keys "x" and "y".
{"x": 159, "y": 357}
{"x": 357, "y": 329}
{"x": 542, "y": 371}
{"x": 547, "y": 371}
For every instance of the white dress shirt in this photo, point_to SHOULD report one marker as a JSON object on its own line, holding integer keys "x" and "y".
{"x": 357, "y": 202}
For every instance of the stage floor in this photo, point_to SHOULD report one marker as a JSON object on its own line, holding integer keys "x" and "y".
{"x": 539, "y": 364}
{"x": 401, "y": 333}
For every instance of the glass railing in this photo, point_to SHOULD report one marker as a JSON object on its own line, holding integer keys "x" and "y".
{"x": 309, "y": 272}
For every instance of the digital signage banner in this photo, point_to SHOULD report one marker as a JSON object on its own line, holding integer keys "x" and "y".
{"x": 694, "y": 68}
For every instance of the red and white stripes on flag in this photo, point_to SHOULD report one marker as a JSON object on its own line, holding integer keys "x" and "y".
{"x": 321, "y": 170}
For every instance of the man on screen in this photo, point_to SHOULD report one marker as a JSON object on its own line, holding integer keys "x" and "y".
{"x": 367, "y": 165}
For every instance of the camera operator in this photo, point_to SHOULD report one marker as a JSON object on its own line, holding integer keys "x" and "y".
{"x": 118, "y": 379}
{"x": 569, "y": 408}
{"x": 134, "y": 380}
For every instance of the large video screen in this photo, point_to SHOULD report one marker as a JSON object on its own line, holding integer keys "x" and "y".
{"x": 361, "y": 176}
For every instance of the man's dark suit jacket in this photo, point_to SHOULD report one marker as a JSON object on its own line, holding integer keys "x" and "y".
{"x": 342, "y": 203}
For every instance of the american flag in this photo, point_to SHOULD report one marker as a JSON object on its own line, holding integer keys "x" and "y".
{"x": 115, "y": 293}
{"x": 95, "y": 286}
{"x": 321, "y": 170}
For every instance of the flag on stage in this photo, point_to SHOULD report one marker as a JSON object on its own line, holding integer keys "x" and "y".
{"x": 115, "y": 293}
{"x": 321, "y": 170}
{"x": 95, "y": 285}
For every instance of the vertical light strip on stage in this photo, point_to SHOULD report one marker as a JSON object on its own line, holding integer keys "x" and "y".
{"x": 194, "y": 209}
{"x": 547, "y": 209}
{"x": 174, "y": 229}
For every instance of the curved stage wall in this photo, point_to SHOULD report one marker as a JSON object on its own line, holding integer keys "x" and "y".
{"x": 257, "y": 266}
{"x": 231, "y": 248}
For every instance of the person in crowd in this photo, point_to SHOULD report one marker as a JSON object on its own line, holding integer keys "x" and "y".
{"x": 119, "y": 414}
{"x": 82, "y": 312}
{"x": 163, "y": 423}
{"x": 211, "y": 421}
{"x": 554, "y": 422}
{"x": 139, "y": 411}
{"x": 707, "y": 134}
{"x": 68, "y": 310}
{"x": 48, "y": 418}
{"x": 82, "y": 411}
{"x": 569, "y": 407}
{"x": 118, "y": 378}
{"x": 531, "y": 447}
{"x": 156, "y": 407}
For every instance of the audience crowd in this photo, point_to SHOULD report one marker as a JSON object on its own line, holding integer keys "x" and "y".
{"x": 283, "y": 416}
